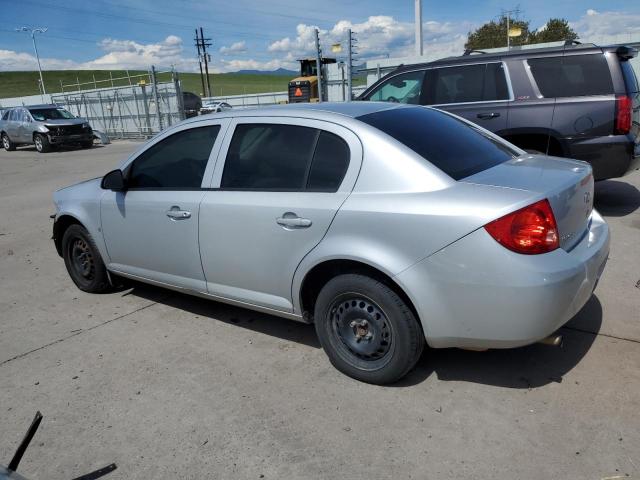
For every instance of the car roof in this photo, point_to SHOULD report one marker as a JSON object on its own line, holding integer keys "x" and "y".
{"x": 42, "y": 106}
{"x": 515, "y": 53}
{"x": 347, "y": 109}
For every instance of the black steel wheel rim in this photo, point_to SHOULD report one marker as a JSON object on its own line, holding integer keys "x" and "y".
{"x": 361, "y": 327}
{"x": 82, "y": 259}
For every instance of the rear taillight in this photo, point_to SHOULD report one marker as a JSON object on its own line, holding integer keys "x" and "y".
{"x": 530, "y": 230}
{"x": 623, "y": 115}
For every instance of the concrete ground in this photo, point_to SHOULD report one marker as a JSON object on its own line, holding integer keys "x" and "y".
{"x": 170, "y": 386}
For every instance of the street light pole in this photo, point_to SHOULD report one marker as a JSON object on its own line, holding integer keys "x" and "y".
{"x": 33, "y": 32}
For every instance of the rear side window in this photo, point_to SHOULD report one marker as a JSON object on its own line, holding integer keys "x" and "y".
{"x": 572, "y": 75}
{"x": 467, "y": 83}
{"x": 458, "y": 149}
{"x": 330, "y": 163}
{"x": 5, "y": 115}
{"x": 284, "y": 158}
{"x": 177, "y": 162}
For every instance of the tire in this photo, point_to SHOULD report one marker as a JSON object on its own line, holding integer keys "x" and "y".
{"x": 87, "y": 144}
{"x": 83, "y": 261}
{"x": 42, "y": 143}
{"x": 8, "y": 145}
{"x": 368, "y": 332}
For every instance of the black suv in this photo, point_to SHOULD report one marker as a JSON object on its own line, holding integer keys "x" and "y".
{"x": 579, "y": 101}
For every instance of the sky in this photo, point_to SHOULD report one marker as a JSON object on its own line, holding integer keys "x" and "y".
{"x": 266, "y": 35}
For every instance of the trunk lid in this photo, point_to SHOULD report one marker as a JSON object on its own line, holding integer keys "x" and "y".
{"x": 567, "y": 184}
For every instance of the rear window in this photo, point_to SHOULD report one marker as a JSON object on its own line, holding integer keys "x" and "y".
{"x": 572, "y": 75}
{"x": 457, "y": 148}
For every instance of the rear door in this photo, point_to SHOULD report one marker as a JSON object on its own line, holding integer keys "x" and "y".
{"x": 478, "y": 92}
{"x": 24, "y": 126}
{"x": 272, "y": 201}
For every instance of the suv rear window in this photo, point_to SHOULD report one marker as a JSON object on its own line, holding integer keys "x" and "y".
{"x": 457, "y": 148}
{"x": 572, "y": 75}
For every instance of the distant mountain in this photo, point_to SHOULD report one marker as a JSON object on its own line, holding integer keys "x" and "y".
{"x": 279, "y": 71}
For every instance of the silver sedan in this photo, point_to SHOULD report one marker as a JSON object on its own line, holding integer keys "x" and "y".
{"x": 388, "y": 226}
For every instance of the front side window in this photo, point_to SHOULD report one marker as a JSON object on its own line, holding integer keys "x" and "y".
{"x": 176, "y": 162}
{"x": 572, "y": 75}
{"x": 403, "y": 88}
{"x": 284, "y": 158}
{"x": 42, "y": 114}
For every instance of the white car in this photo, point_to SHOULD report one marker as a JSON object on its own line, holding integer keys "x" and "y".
{"x": 213, "y": 107}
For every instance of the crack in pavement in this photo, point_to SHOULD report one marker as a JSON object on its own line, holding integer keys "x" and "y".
{"x": 76, "y": 333}
{"x": 80, "y": 332}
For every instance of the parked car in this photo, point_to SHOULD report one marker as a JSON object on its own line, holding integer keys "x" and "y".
{"x": 578, "y": 101}
{"x": 191, "y": 104}
{"x": 212, "y": 107}
{"x": 385, "y": 225}
{"x": 44, "y": 126}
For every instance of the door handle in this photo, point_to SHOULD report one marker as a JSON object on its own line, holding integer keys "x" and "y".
{"x": 174, "y": 213}
{"x": 488, "y": 115}
{"x": 292, "y": 221}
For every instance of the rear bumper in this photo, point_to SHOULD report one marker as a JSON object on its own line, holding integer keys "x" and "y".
{"x": 610, "y": 157}
{"x": 63, "y": 139}
{"x": 477, "y": 294}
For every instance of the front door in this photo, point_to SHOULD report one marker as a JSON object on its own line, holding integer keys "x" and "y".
{"x": 151, "y": 229}
{"x": 279, "y": 189}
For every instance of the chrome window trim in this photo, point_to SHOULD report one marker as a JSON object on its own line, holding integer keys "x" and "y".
{"x": 504, "y": 68}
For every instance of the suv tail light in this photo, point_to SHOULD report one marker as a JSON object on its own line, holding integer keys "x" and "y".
{"x": 623, "y": 115}
{"x": 530, "y": 230}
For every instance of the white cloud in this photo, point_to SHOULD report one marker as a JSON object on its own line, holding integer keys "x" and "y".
{"x": 236, "y": 64}
{"x": 377, "y": 36}
{"x": 607, "y": 27}
{"x": 237, "y": 47}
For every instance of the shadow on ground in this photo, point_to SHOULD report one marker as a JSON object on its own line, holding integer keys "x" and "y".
{"x": 615, "y": 198}
{"x": 526, "y": 367}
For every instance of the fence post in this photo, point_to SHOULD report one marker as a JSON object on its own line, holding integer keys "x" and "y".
{"x": 156, "y": 97}
{"x": 145, "y": 104}
{"x": 180, "y": 101}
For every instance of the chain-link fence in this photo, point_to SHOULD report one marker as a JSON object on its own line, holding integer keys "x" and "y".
{"x": 135, "y": 111}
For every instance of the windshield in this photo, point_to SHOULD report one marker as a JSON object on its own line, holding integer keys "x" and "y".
{"x": 455, "y": 147}
{"x": 41, "y": 114}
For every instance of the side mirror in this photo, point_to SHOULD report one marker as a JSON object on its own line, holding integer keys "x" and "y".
{"x": 114, "y": 180}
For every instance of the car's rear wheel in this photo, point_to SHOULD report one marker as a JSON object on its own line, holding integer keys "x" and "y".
{"x": 42, "y": 143}
{"x": 83, "y": 261}
{"x": 8, "y": 145}
{"x": 367, "y": 329}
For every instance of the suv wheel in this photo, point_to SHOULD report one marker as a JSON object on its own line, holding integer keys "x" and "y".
{"x": 367, "y": 330}
{"x": 42, "y": 143}
{"x": 8, "y": 145}
{"x": 83, "y": 261}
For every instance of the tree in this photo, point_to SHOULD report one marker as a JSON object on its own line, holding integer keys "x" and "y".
{"x": 556, "y": 29}
{"x": 494, "y": 33}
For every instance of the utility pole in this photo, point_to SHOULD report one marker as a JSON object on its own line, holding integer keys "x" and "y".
{"x": 197, "y": 40}
{"x": 206, "y": 42}
{"x": 33, "y": 32}
{"x": 319, "y": 65}
{"x": 418, "y": 21}
{"x": 350, "y": 53}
